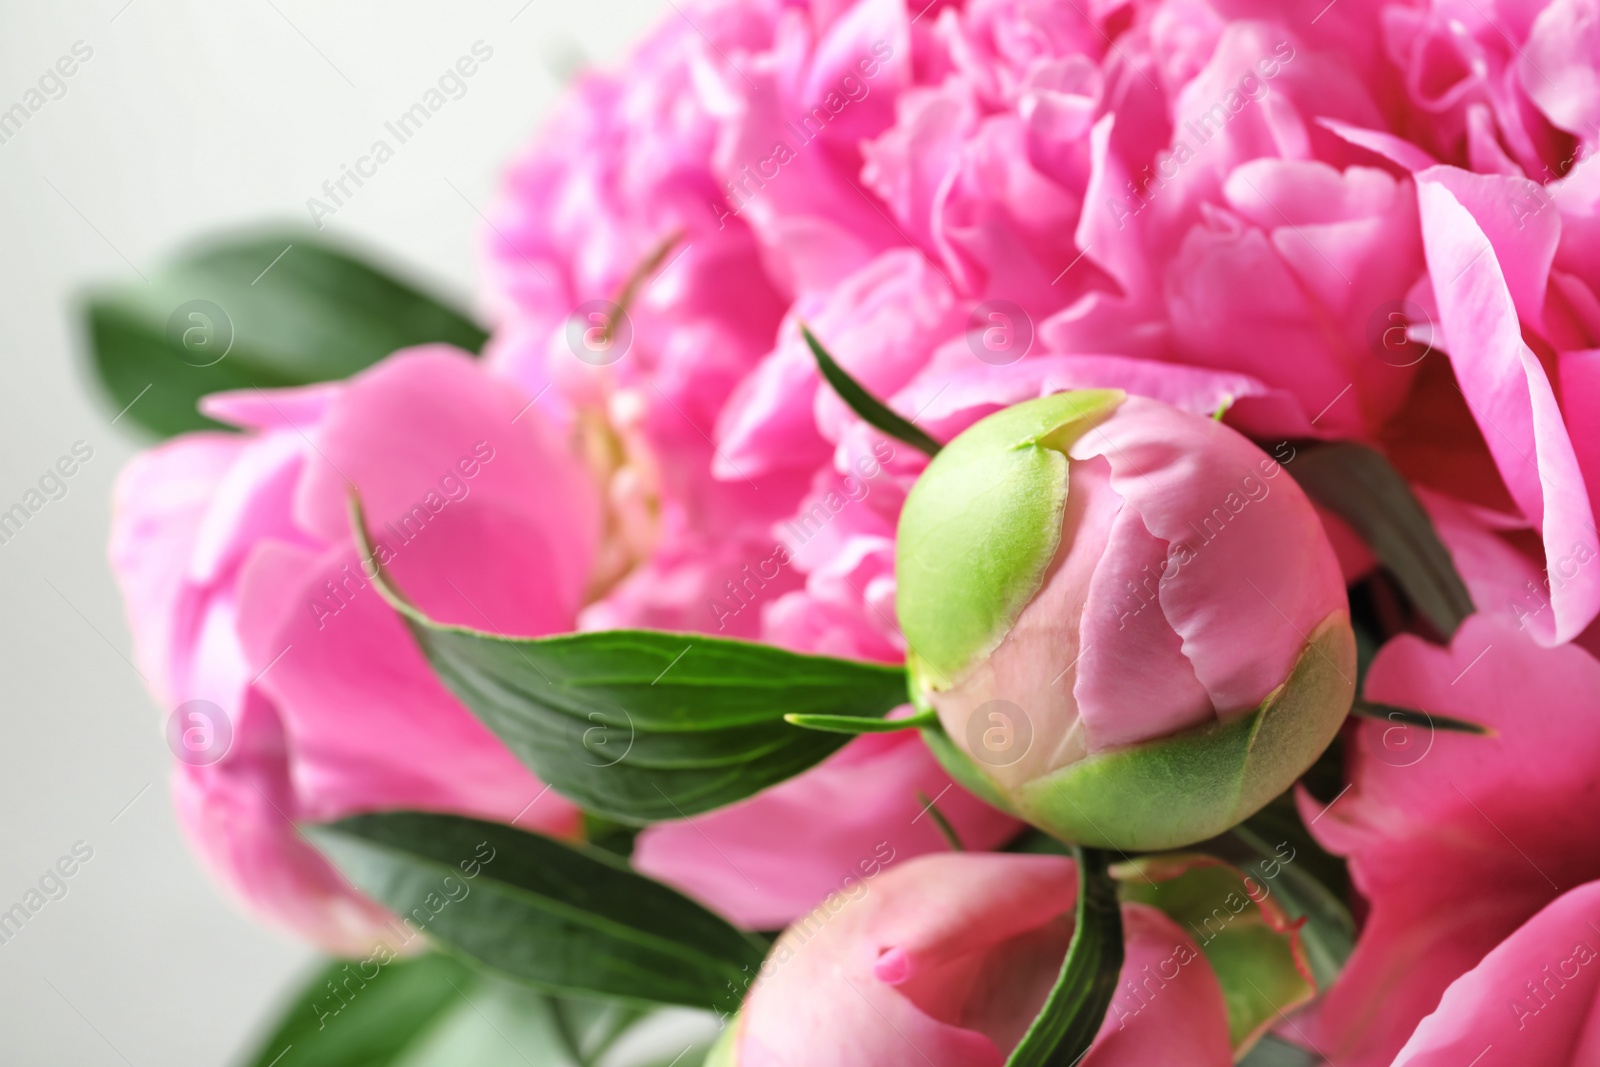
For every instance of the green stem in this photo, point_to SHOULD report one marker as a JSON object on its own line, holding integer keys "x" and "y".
{"x": 1071, "y": 1017}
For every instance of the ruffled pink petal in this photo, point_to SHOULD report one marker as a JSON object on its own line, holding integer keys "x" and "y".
{"x": 159, "y": 501}
{"x": 1558, "y": 68}
{"x": 1168, "y": 1007}
{"x": 1133, "y": 682}
{"x": 299, "y": 408}
{"x": 240, "y": 814}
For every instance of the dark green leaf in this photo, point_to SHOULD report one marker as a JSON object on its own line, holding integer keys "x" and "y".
{"x": 1393, "y": 713}
{"x": 873, "y": 411}
{"x": 435, "y": 1011}
{"x": 1067, "y": 1024}
{"x": 269, "y": 310}
{"x": 641, "y": 725}
{"x": 1365, "y": 490}
{"x": 561, "y": 918}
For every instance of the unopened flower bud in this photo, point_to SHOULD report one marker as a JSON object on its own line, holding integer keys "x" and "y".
{"x": 1127, "y": 617}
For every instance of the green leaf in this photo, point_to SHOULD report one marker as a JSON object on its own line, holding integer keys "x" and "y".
{"x": 853, "y": 725}
{"x": 1067, "y": 1024}
{"x": 560, "y": 918}
{"x": 1399, "y": 716}
{"x": 1365, "y": 490}
{"x": 641, "y": 725}
{"x": 341, "y": 1019}
{"x": 435, "y": 1011}
{"x": 873, "y": 411}
{"x": 266, "y": 310}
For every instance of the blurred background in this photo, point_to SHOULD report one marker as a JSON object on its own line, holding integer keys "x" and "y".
{"x": 183, "y": 117}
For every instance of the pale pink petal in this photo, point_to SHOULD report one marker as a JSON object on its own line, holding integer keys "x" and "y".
{"x": 1169, "y": 1007}
{"x": 863, "y": 802}
{"x": 427, "y": 437}
{"x": 1251, "y": 570}
{"x": 1132, "y": 681}
{"x": 370, "y": 725}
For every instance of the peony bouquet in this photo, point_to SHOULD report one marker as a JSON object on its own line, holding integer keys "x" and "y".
{"x": 1004, "y": 532}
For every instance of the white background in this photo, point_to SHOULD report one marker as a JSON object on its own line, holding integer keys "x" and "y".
{"x": 191, "y": 115}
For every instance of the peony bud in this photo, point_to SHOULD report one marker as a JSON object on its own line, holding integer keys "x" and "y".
{"x": 945, "y": 961}
{"x": 1129, "y": 621}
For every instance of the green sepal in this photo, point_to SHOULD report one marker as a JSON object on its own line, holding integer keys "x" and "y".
{"x": 1252, "y": 945}
{"x": 1176, "y": 790}
{"x": 981, "y": 527}
{"x": 725, "y": 1052}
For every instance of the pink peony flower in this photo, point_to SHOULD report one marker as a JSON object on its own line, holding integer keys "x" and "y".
{"x": 1454, "y": 840}
{"x": 246, "y": 593}
{"x": 947, "y": 959}
{"x": 671, "y": 162}
{"x": 1535, "y": 998}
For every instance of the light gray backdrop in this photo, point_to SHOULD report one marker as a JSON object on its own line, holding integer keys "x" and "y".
{"x": 189, "y": 115}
